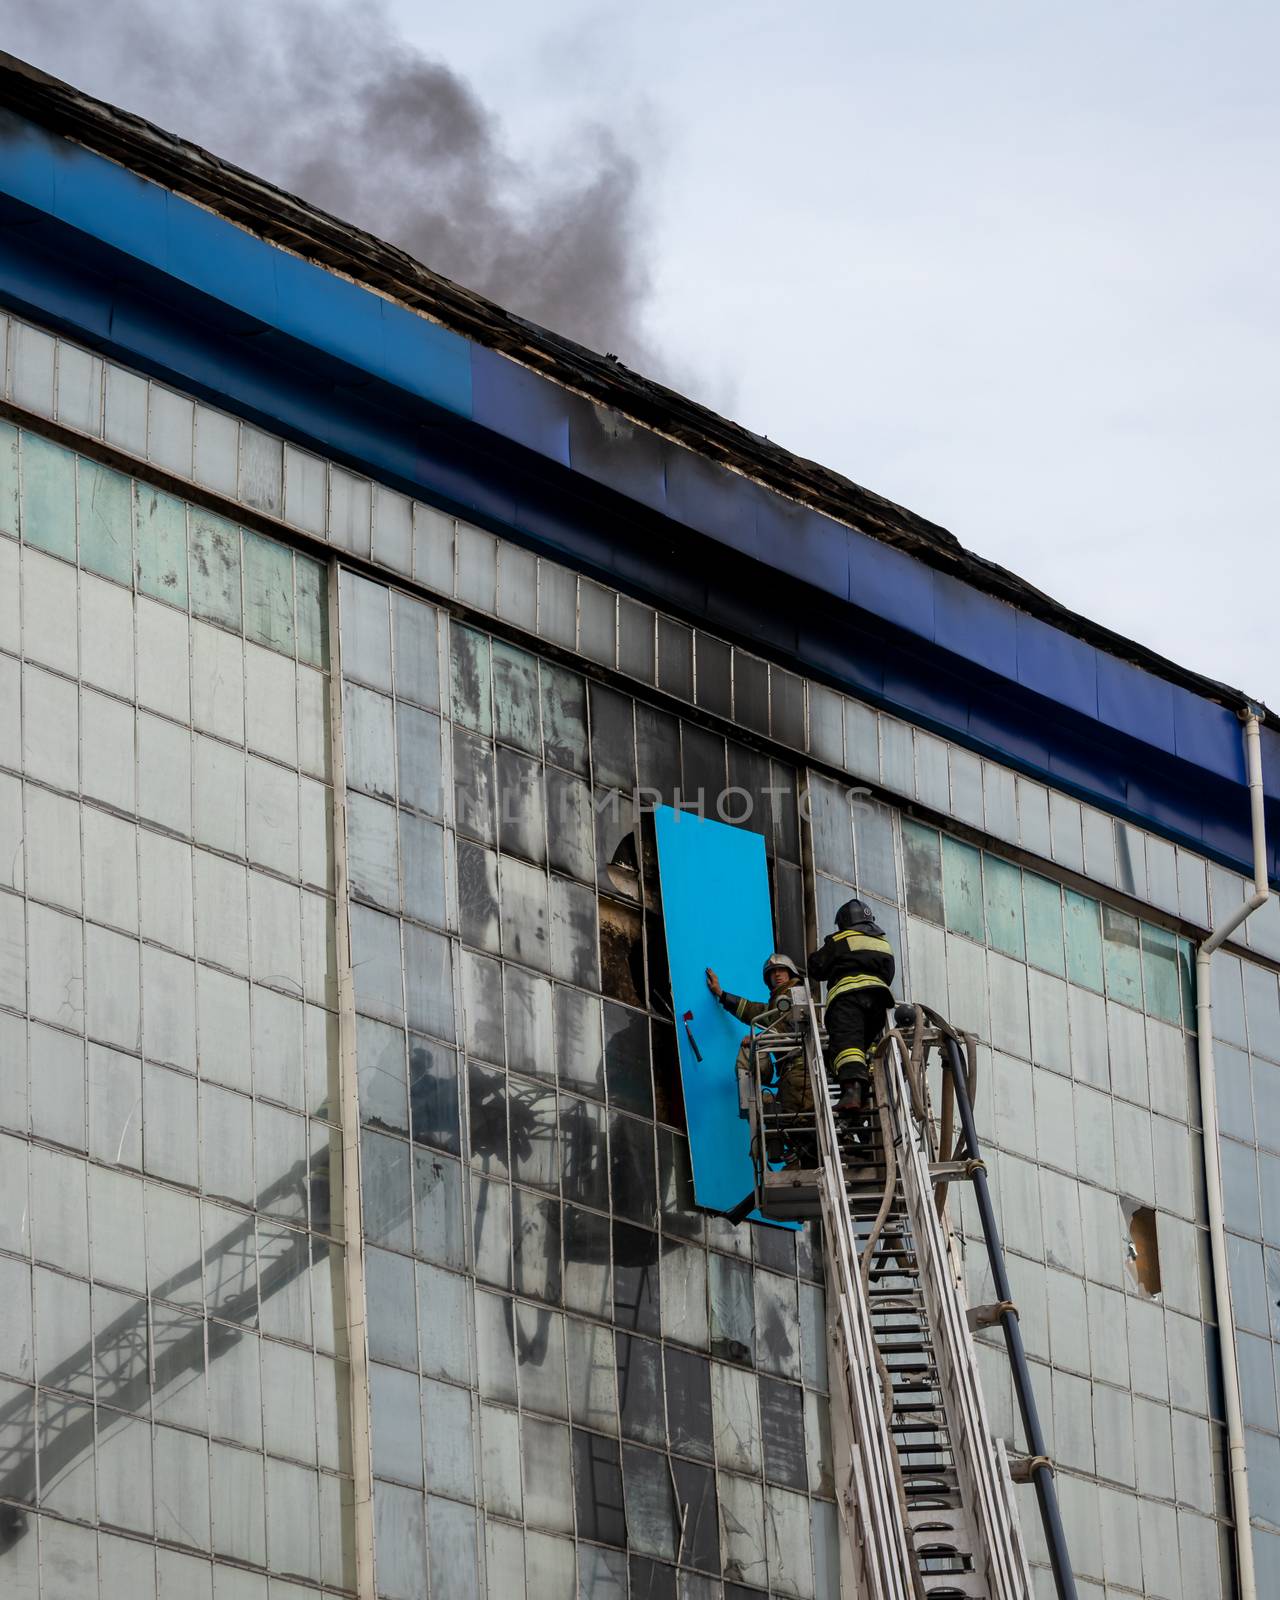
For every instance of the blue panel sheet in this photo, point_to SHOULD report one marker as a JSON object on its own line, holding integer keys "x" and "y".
{"x": 715, "y": 903}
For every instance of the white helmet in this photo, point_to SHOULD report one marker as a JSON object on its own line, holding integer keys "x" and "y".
{"x": 777, "y": 959}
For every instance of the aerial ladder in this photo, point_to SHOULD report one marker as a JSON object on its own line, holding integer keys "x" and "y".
{"x": 926, "y": 1489}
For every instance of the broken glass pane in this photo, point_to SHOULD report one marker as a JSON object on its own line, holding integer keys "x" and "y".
{"x": 696, "y": 1496}
{"x": 640, "y": 1389}
{"x": 689, "y": 1402}
{"x": 598, "y": 1490}
{"x": 622, "y": 973}
{"x": 652, "y": 1518}
{"x": 732, "y": 1309}
{"x": 636, "y": 1284}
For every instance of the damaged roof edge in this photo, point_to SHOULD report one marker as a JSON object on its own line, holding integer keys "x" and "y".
{"x": 290, "y": 223}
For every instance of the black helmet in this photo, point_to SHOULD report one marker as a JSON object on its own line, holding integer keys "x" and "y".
{"x": 777, "y": 959}
{"x": 856, "y": 914}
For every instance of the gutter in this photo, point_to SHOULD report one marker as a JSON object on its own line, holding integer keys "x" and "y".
{"x": 1237, "y": 1462}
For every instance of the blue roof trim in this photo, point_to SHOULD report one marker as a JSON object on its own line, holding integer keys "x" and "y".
{"x": 971, "y": 623}
{"x": 182, "y": 293}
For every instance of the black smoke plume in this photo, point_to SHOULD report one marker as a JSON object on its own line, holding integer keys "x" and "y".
{"x": 328, "y": 101}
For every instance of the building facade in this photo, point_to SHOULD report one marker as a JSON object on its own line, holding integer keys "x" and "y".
{"x": 348, "y": 1242}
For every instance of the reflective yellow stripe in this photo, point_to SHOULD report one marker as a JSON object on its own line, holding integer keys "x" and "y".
{"x": 739, "y": 1009}
{"x": 866, "y": 941}
{"x": 851, "y": 1054}
{"x": 861, "y": 980}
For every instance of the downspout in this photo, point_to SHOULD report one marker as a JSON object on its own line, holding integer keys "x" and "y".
{"x": 1213, "y": 1165}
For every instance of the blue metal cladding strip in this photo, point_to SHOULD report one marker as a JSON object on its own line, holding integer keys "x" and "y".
{"x": 715, "y": 906}
{"x": 178, "y": 292}
{"x": 205, "y": 253}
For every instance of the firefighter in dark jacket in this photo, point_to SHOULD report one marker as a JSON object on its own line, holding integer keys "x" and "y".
{"x": 856, "y": 964}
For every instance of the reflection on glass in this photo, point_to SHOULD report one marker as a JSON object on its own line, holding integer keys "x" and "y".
{"x": 433, "y": 1094}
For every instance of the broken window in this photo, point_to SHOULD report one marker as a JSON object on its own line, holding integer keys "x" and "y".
{"x": 1143, "y": 1253}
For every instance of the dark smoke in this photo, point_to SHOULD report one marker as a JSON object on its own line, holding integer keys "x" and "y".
{"x": 328, "y": 101}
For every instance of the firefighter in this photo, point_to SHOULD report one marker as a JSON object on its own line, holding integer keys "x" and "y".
{"x": 856, "y": 963}
{"x": 791, "y": 1092}
{"x": 780, "y": 974}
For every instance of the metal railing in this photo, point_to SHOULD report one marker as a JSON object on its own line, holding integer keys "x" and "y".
{"x": 806, "y": 1165}
{"x": 878, "y": 1543}
{"x": 979, "y": 1456}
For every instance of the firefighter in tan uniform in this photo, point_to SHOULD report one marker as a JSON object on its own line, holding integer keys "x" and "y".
{"x": 792, "y": 1091}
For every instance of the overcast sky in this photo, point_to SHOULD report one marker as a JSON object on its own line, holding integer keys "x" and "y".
{"x": 1012, "y": 265}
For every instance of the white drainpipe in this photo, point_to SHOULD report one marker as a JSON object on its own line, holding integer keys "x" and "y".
{"x": 1213, "y": 1164}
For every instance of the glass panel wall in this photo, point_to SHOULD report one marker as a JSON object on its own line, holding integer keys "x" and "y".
{"x": 167, "y": 996}
{"x": 580, "y": 1381}
{"x": 1246, "y": 1018}
{"x": 1088, "y": 1109}
{"x": 174, "y": 1397}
